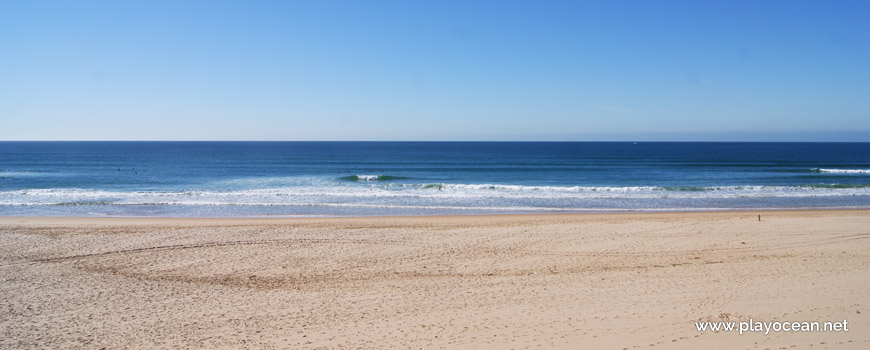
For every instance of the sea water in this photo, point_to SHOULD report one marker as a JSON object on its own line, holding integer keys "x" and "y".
{"x": 243, "y": 179}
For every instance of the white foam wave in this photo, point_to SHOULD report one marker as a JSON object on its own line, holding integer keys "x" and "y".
{"x": 410, "y": 195}
{"x": 368, "y": 177}
{"x": 843, "y": 171}
{"x": 577, "y": 189}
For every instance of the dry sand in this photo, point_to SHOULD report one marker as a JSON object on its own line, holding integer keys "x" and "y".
{"x": 595, "y": 281}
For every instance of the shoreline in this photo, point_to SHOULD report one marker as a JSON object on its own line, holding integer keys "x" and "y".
{"x": 279, "y": 219}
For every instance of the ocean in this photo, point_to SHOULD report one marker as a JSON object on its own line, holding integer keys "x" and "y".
{"x": 254, "y": 179}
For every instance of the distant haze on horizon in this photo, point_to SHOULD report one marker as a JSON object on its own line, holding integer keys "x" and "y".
{"x": 453, "y": 70}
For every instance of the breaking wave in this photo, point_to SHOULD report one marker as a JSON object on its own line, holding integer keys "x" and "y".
{"x": 842, "y": 171}
{"x": 432, "y": 194}
{"x": 372, "y": 178}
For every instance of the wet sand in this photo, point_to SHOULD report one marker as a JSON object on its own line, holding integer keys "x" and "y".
{"x": 614, "y": 281}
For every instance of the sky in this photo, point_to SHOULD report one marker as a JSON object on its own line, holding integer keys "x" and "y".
{"x": 435, "y": 70}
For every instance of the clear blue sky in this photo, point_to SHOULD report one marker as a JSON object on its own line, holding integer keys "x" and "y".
{"x": 434, "y": 70}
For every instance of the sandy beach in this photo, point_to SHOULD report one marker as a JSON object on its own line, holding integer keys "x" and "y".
{"x": 595, "y": 281}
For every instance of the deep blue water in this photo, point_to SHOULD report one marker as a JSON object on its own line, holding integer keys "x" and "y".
{"x": 397, "y": 178}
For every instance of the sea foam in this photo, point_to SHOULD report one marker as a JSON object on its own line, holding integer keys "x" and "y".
{"x": 392, "y": 194}
{"x": 843, "y": 171}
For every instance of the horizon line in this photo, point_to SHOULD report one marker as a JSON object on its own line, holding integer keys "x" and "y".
{"x": 457, "y": 141}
